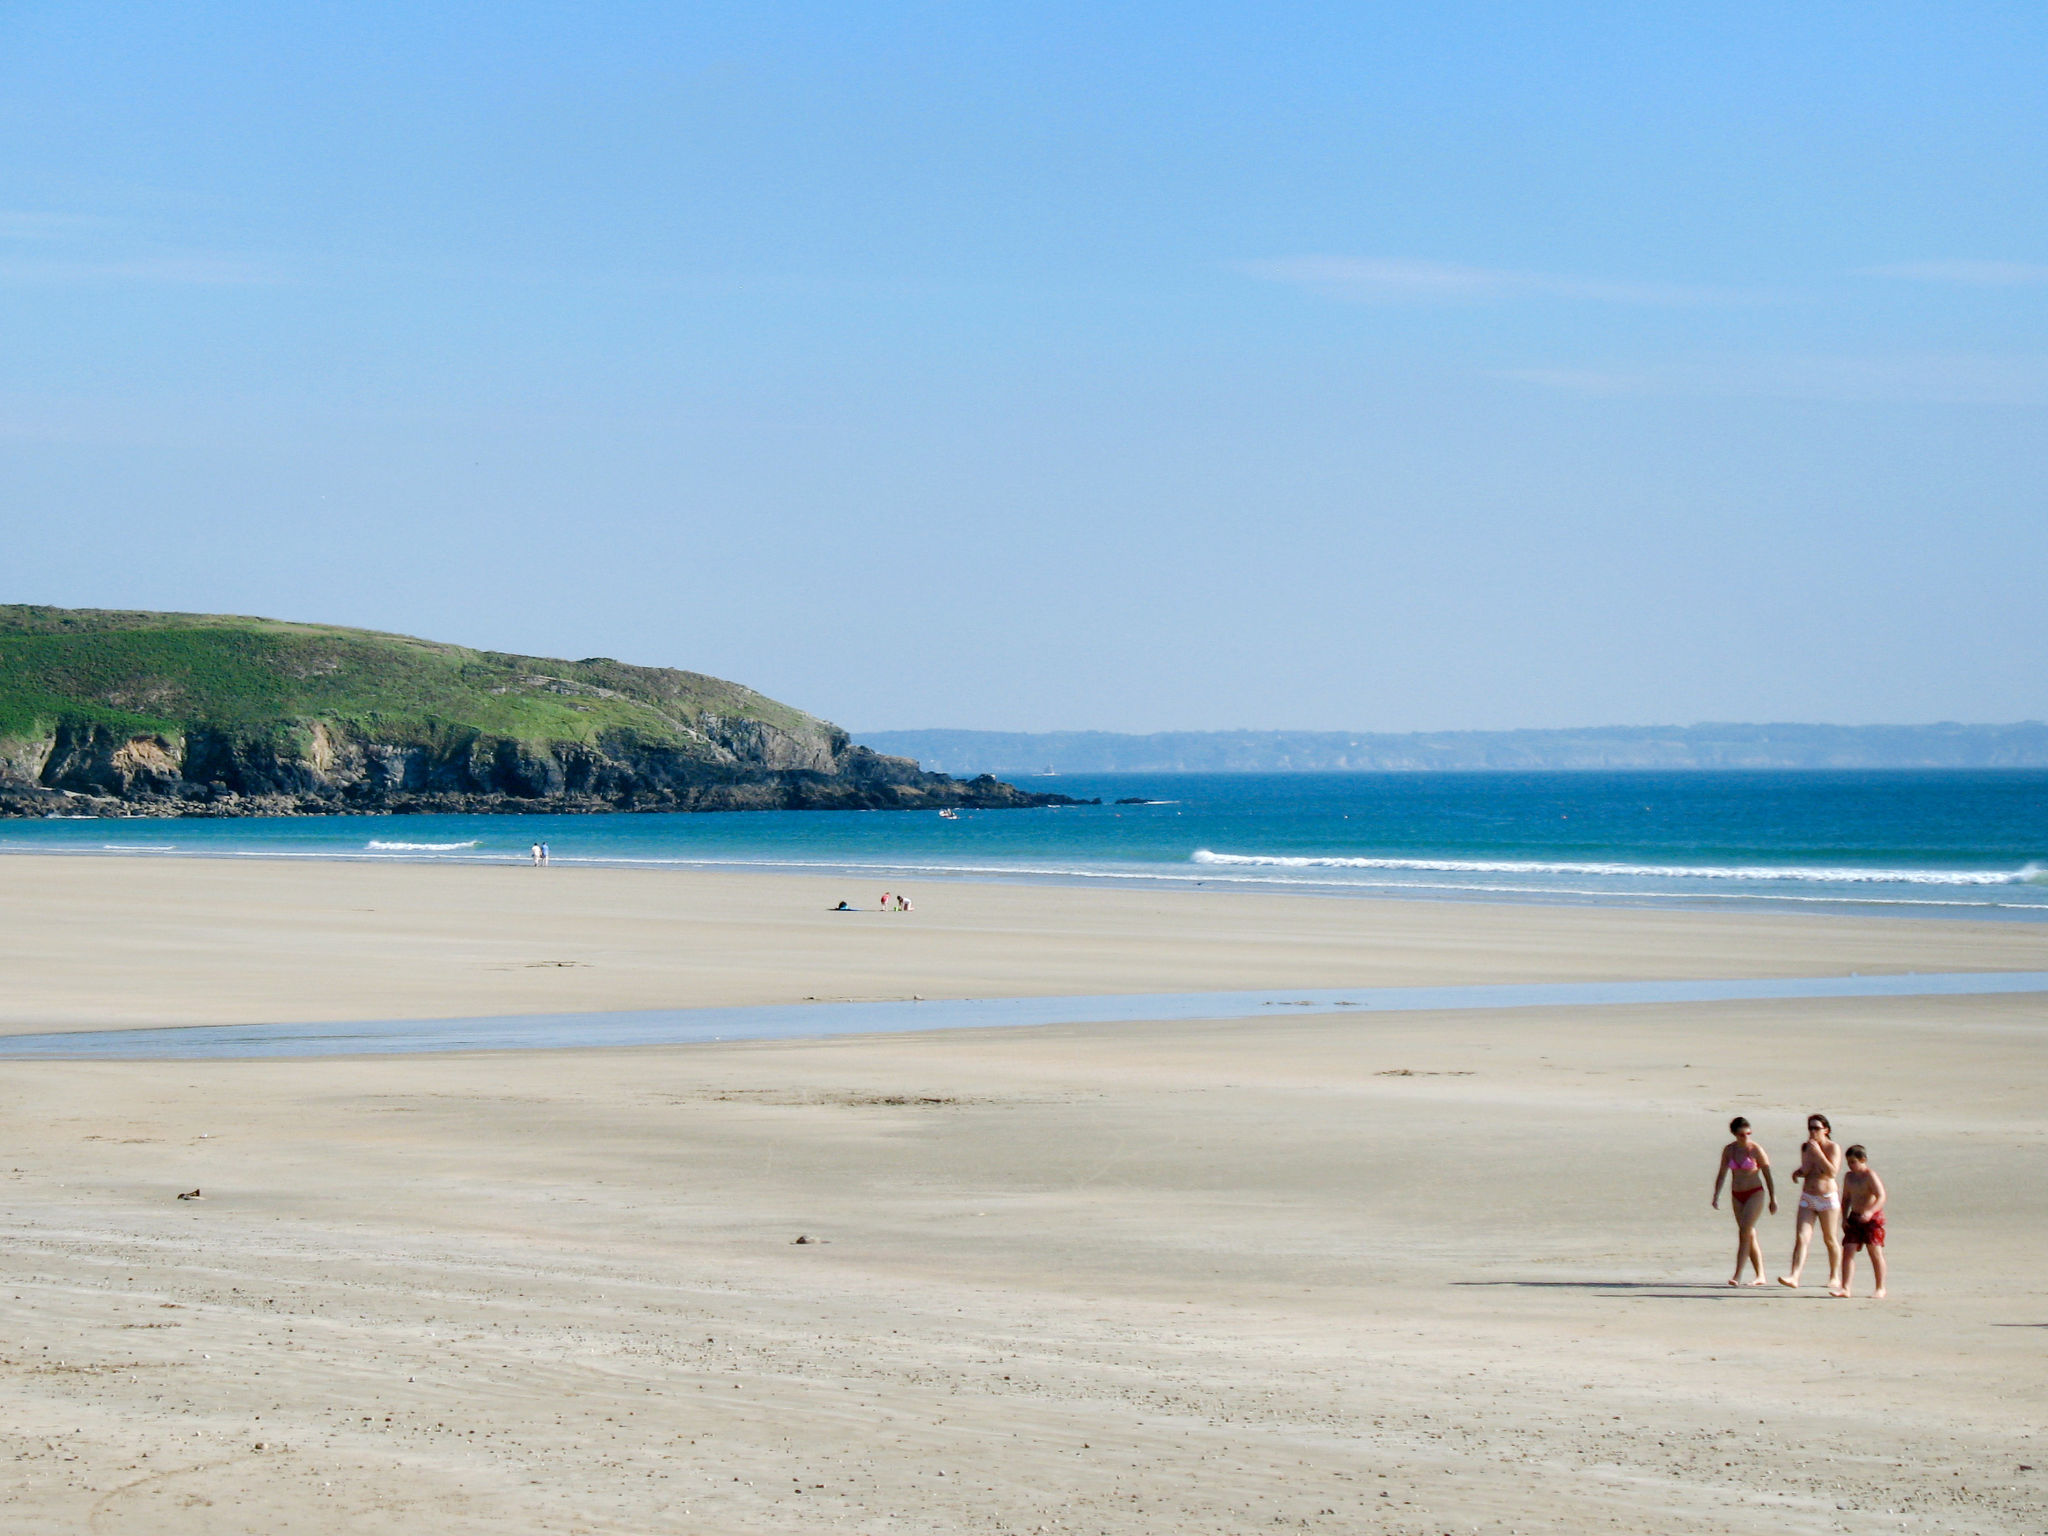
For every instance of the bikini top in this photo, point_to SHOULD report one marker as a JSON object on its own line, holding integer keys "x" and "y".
{"x": 1742, "y": 1164}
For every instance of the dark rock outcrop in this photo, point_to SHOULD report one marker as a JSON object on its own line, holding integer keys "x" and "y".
{"x": 92, "y": 770}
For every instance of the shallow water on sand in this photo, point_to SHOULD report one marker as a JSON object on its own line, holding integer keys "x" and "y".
{"x": 690, "y": 1026}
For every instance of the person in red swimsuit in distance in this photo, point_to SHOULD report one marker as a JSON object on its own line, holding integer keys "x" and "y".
{"x": 1751, "y": 1190}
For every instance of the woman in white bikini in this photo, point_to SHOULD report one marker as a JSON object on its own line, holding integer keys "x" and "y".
{"x": 1747, "y": 1172}
{"x": 1820, "y": 1201}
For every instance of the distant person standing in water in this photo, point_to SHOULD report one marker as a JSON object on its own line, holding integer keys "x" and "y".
{"x": 1820, "y": 1202}
{"x": 536, "y": 855}
{"x": 544, "y": 853}
{"x": 1747, "y": 1170}
{"x": 1862, "y": 1219}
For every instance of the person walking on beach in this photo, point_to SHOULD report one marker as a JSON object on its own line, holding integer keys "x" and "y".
{"x": 544, "y": 853}
{"x": 1820, "y": 1203}
{"x": 536, "y": 855}
{"x": 1746, "y": 1169}
{"x": 1862, "y": 1219}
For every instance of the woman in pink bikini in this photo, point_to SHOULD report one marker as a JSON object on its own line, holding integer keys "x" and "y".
{"x": 1751, "y": 1191}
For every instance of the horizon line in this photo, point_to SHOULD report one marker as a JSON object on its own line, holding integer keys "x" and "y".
{"x": 1506, "y": 730}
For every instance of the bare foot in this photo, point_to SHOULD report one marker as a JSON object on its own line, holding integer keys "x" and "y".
{"x": 1735, "y": 1282}
{"x": 1788, "y": 1280}
{"x": 1759, "y": 1280}
{"x": 1837, "y": 1292}
{"x": 1878, "y": 1294}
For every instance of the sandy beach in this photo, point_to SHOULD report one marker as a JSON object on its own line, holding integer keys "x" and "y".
{"x": 109, "y": 942}
{"x": 1417, "y": 1273}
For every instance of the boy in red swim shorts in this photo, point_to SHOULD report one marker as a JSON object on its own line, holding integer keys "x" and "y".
{"x": 1862, "y": 1218}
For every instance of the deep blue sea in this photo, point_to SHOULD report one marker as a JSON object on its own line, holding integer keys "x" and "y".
{"x": 1946, "y": 842}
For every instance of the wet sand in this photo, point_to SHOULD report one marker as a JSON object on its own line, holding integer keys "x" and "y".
{"x": 1419, "y": 1273}
{"x": 107, "y": 942}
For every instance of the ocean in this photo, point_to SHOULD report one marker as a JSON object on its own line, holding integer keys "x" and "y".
{"x": 1965, "y": 843}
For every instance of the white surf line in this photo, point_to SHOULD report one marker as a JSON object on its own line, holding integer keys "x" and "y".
{"x": 796, "y": 1021}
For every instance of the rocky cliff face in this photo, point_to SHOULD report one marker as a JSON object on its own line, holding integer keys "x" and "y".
{"x": 324, "y": 769}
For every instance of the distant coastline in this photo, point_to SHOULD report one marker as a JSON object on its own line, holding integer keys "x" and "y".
{"x": 1784, "y": 746}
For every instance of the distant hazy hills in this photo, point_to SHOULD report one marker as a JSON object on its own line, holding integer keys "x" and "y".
{"x": 2024, "y": 745}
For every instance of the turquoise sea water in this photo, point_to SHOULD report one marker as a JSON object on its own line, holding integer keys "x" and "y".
{"x": 1950, "y": 842}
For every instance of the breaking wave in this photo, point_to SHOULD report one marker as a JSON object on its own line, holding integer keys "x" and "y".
{"x": 383, "y": 847}
{"x": 2031, "y": 874}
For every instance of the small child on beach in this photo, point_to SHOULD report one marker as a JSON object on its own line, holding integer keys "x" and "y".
{"x": 1862, "y": 1219}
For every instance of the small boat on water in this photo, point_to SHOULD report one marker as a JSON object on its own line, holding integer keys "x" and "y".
{"x": 949, "y": 815}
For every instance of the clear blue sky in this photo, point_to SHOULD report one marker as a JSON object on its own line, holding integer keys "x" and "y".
{"x": 1126, "y": 366}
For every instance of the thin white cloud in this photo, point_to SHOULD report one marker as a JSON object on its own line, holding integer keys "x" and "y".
{"x": 1347, "y": 278}
{"x": 36, "y": 224}
{"x": 1981, "y": 274}
{"x": 195, "y": 269}
{"x": 1372, "y": 280}
{"x": 1921, "y": 379}
{"x": 1585, "y": 381}
{"x": 41, "y": 247}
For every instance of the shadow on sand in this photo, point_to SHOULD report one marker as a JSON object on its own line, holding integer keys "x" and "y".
{"x": 1672, "y": 1290}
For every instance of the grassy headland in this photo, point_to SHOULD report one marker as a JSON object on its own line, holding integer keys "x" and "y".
{"x": 222, "y": 714}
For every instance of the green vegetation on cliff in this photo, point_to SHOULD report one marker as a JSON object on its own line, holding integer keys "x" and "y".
{"x": 167, "y": 673}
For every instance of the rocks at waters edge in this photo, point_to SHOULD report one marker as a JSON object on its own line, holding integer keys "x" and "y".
{"x": 97, "y": 771}
{"x": 887, "y": 789}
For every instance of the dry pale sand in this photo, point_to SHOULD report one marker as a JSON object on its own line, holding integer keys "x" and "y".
{"x": 103, "y": 943}
{"x": 1407, "y": 1273}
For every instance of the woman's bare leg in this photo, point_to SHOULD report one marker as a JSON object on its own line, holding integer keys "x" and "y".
{"x": 1756, "y": 1255}
{"x": 1831, "y": 1234}
{"x": 1802, "y": 1239}
{"x": 1747, "y": 1248}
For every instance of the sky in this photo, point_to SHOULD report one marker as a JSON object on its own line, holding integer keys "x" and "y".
{"x": 1057, "y": 366}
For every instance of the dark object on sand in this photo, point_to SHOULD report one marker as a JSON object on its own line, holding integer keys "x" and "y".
{"x": 842, "y": 907}
{"x": 191, "y": 1194}
{"x": 801, "y": 1239}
